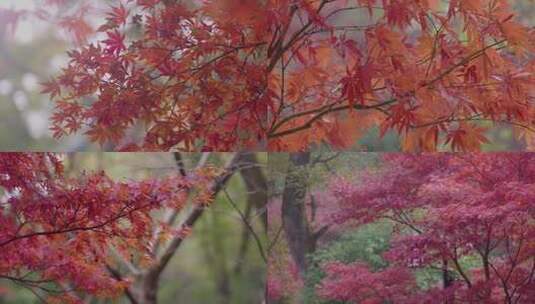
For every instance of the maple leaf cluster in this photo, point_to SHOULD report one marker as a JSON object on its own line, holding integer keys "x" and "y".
{"x": 57, "y": 233}
{"x": 393, "y": 285}
{"x": 221, "y": 75}
{"x": 446, "y": 208}
{"x": 285, "y": 75}
{"x": 189, "y": 75}
{"x": 430, "y": 70}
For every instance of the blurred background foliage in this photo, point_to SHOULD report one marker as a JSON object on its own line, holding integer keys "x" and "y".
{"x": 209, "y": 267}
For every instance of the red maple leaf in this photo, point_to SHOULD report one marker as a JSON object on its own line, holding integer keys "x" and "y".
{"x": 115, "y": 42}
{"x": 51, "y": 87}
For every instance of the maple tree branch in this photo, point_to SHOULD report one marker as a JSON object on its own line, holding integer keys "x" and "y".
{"x": 117, "y": 275}
{"x": 475, "y": 117}
{"x": 31, "y": 289}
{"x": 404, "y": 221}
{"x": 279, "y": 52}
{"x": 224, "y": 54}
{"x": 170, "y": 219}
{"x": 23, "y": 280}
{"x": 255, "y": 205}
{"x": 131, "y": 267}
{"x": 231, "y": 167}
{"x": 247, "y": 224}
{"x": 503, "y": 282}
{"x": 464, "y": 61}
{"x": 460, "y": 269}
{"x": 329, "y": 108}
{"x": 171, "y": 214}
{"x": 74, "y": 229}
{"x": 525, "y": 281}
{"x": 180, "y": 163}
{"x": 275, "y": 43}
{"x": 37, "y": 284}
{"x": 275, "y": 240}
{"x": 322, "y": 111}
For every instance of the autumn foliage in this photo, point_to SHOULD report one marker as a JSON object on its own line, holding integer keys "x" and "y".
{"x": 191, "y": 76}
{"x": 447, "y": 210}
{"x": 430, "y": 70}
{"x": 221, "y": 75}
{"x": 60, "y": 236}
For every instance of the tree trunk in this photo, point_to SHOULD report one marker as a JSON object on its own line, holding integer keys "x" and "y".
{"x": 149, "y": 292}
{"x": 294, "y": 220}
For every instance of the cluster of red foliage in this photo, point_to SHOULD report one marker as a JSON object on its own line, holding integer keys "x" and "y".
{"x": 222, "y": 75}
{"x": 283, "y": 279}
{"x": 191, "y": 75}
{"x": 431, "y": 70}
{"x": 55, "y": 229}
{"x": 285, "y": 75}
{"x": 446, "y": 208}
{"x": 355, "y": 283}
